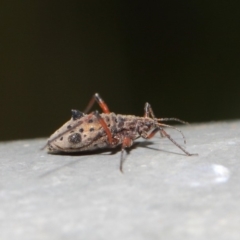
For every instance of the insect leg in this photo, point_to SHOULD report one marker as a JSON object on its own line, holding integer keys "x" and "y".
{"x": 105, "y": 127}
{"x": 126, "y": 143}
{"x": 96, "y": 97}
{"x": 148, "y": 112}
{"x": 165, "y": 125}
{"x": 151, "y": 134}
{"x": 164, "y": 133}
{"x": 174, "y": 142}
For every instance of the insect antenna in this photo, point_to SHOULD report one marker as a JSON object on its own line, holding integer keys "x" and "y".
{"x": 171, "y": 119}
{"x": 168, "y": 126}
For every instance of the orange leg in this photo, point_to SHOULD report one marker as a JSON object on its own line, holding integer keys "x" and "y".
{"x": 105, "y": 127}
{"x": 96, "y": 98}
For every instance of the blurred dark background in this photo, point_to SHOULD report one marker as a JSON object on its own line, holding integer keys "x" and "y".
{"x": 183, "y": 57}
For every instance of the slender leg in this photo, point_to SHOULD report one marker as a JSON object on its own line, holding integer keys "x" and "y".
{"x": 96, "y": 98}
{"x": 173, "y": 141}
{"x": 169, "y": 126}
{"x": 105, "y": 127}
{"x": 127, "y": 142}
{"x": 148, "y": 112}
{"x": 151, "y": 134}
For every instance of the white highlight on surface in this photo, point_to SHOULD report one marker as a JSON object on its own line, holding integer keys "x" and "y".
{"x": 199, "y": 175}
{"x": 222, "y": 173}
{"x": 209, "y": 174}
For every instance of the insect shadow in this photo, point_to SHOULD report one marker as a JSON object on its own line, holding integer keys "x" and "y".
{"x": 110, "y": 151}
{"x": 107, "y": 151}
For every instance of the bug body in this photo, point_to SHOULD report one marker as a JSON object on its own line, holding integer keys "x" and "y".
{"x": 87, "y": 132}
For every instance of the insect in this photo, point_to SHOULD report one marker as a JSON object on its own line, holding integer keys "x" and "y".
{"x": 87, "y": 132}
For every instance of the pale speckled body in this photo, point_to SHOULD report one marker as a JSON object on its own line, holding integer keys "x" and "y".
{"x": 86, "y": 133}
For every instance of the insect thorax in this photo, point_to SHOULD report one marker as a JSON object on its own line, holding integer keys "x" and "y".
{"x": 127, "y": 125}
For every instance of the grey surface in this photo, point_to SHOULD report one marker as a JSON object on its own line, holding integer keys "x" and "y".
{"x": 162, "y": 194}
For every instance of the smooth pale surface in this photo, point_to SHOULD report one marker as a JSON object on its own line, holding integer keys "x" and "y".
{"x": 163, "y": 194}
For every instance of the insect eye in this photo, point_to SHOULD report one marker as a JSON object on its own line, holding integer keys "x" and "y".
{"x": 76, "y": 114}
{"x": 75, "y": 138}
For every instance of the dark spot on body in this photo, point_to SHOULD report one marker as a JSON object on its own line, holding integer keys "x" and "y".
{"x": 84, "y": 135}
{"x": 76, "y": 114}
{"x": 113, "y": 129}
{"x": 90, "y": 121}
{"x": 61, "y": 138}
{"x": 133, "y": 124}
{"x": 72, "y": 131}
{"x": 107, "y": 119}
{"x": 108, "y": 125}
{"x": 114, "y": 119}
{"x": 91, "y": 129}
{"x": 81, "y": 130}
{"x": 69, "y": 126}
{"x": 121, "y": 123}
{"x": 50, "y": 148}
{"x": 75, "y": 138}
